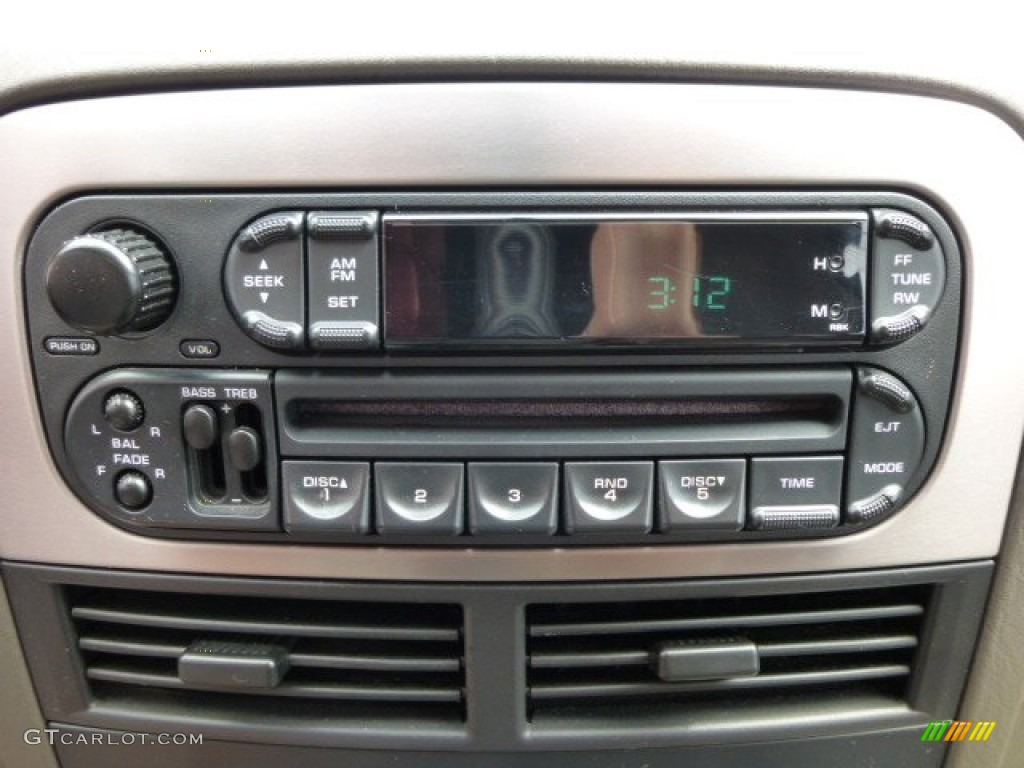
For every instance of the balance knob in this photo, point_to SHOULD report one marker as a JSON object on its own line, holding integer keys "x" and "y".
{"x": 111, "y": 282}
{"x": 124, "y": 411}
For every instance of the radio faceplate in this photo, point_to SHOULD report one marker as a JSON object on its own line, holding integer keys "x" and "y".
{"x": 696, "y": 436}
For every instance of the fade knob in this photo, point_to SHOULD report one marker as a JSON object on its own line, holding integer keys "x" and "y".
{"x": 112, "y": 282}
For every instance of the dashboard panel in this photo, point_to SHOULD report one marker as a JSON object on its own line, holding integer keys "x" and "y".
{"x": 641, "y": 139}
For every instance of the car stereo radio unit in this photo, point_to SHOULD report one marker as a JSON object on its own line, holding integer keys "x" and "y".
{"x": 495, "y": 369}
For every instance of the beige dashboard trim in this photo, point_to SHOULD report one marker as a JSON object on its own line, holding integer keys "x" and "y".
{"x": 21, "y": 722}
{"x": 536, "y": 135}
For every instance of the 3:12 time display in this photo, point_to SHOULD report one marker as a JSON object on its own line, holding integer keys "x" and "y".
{"x": 709, "y": 292}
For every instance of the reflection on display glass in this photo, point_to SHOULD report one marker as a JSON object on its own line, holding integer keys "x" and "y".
{"x": 487, "y": 281}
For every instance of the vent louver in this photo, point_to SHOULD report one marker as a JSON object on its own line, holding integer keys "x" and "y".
{"x": 605, "y": 658}
{"x": 345, "y": 662}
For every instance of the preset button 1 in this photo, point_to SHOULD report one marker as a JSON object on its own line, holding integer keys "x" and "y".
{"x": 326, "y": 496}
{"x": 609, "y": 497}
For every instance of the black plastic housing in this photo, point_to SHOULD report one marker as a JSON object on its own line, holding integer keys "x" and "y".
{"x": 199, "y": 229}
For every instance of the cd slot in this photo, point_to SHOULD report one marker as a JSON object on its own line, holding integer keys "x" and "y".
{"x": 561, "y": 414}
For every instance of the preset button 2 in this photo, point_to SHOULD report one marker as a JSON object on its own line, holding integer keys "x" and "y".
{"x": 419, "y": 498}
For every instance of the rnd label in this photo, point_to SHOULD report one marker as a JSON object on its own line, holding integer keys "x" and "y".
{"x": 611, "y": 486}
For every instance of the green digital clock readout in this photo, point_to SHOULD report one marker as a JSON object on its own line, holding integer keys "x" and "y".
{"x": 709, "y": 292}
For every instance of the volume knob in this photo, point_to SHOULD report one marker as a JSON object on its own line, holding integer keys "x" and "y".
{"x": 112, "y": 281}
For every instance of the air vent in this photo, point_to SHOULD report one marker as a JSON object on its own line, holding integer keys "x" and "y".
{"x": 296, "y": 660}
{"x": 679, "y": 658}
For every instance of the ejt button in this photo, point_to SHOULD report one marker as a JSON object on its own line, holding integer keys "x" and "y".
{"x": 609, "y": 497}
{"x": 886, "y": 442}
{"x": 702, "y": 495}
{"x": 326, "y": 496}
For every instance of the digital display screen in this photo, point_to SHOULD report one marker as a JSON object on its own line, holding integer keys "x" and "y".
{"x": 482, "y": 280}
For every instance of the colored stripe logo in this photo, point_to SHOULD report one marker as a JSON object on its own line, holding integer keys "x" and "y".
{"x": 958, "y": 730}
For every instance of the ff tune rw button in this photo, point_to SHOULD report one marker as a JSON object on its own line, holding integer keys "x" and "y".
{"x": 909, "y": 271}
